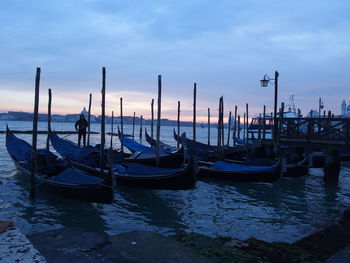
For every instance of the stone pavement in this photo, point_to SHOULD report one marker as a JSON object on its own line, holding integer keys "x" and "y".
{"x": 71, "y": 245}
{"x": 15, "y": 247}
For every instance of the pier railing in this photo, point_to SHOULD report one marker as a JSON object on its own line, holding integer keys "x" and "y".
{"x": 335, "y": 130}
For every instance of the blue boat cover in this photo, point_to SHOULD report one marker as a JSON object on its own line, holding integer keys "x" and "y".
{"x": 140, "y": 169}
{"x": 73, "y": 176}
{"x": 18, "y": 148}
{"x": 22, "y": 151}
{"x": 241, "y": 168}
{"x": 134, "y": 146}
{"x": 69, "y": 149}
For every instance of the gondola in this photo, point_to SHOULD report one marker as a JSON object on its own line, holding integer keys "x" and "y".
{"x": 55, "y": 176}
{"x": 243, "y": 172}
{"x": 144, "y": 176}
{"x": 165, "y": 147}
{"x": 296, "y": 169}
{"x": 136, "y": 175}
{"x": 147, "y": 155}
{"x": 206, "y": 152}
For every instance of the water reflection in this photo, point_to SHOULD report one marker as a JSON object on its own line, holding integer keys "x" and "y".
{"x": 284, "y": 211}
{"x": 49, "y": 210}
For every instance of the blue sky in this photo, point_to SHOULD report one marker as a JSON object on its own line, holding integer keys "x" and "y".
{"x": 224, "y": 46}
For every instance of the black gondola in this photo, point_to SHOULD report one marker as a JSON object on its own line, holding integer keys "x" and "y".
{"x": 55, "y": 176}
{"x": 165, "y": 147}
{"x": 209, "y": 152}
{"x": 296, "y": 169}
{"x": 147, "y": 155}
{"x": 244, "y": 172}
{"x": 136, "y": 175}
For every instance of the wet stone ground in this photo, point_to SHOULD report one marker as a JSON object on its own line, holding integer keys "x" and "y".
{"x": 72, "y": 245}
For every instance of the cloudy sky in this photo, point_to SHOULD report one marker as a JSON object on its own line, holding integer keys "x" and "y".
{"x": 224, "y": 46}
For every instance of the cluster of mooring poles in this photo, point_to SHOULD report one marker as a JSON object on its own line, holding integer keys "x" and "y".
{"x": 285, "y": 131}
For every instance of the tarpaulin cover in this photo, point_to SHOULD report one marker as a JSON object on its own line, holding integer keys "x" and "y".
{"x": 73, "y": 176}
{"x": 238, "y": 167}
{"x": 71, "y": 151}
{"x": 140, "y": 169}
{"x": 134, "y": 146}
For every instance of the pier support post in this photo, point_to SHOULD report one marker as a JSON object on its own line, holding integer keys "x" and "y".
{"x": 331, "y": 167}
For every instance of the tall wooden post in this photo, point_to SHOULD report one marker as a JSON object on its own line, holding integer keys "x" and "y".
{"x": 219, "y": 125}
{"x": 35, "y": 132}
{"x": 259, "y": 127}
{"x": 208, "y": 126}
{"x": 133, "y": 126}
{"x": 152, "y": 118}
{"x": 112, "y": 128}
{"x": 194, "y": 110}
{"x": 247, "y": 117}
{"x": 264, "y": 123}
{"x": 275, "y": 106}
{"x": 178, "y": 123}
{"x": 222, "y": 123}
{"x": 244, "y": 126}
{"x": 229, "y": 129}
{"x": 235, "y": 127}
{"x": 239, "y": 127}
{"x": 89, "y": 114}
{"x": 48, "y": 121}
{"x": 159, "y": 117}
{"x": 278, "y": 145}
{"x": 141, "y": 120}
{"x": 103, "y": 92}
{"x": 121, "y": 125}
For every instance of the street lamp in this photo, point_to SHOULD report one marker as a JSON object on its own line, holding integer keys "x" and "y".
{"x": 264, "y": 83}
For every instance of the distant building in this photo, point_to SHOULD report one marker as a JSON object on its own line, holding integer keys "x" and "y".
{"x": 85, "y": 113}
{"x": 345, "y": 109}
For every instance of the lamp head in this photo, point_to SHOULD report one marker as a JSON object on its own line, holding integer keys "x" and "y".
{"x": 264, "y": 82}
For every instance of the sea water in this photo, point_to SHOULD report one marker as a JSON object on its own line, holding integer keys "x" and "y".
{"x": 284, "y": 211}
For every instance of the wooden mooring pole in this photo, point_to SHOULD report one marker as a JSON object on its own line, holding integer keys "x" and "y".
{"x": 235, "y": 127}
{"x": 48, "y": 121}
{"x": 194, "y": 110}
{"x": 103, "y": 93}
{"x": 264, "y": 123}
{"x": 133, "y": 126}
{"x": 219, "y": 126}
{"x": 121, "y": 125}
{"x": 239, "y": 127}
{"x": 112, "y": 129}
{"x": 208, "y": 126}
{"x": 229, "y": 129}
{"x": 152, "y": 118}
{"x": 141, "y": 121}
{"x": 159, "y": 118}
{"x": 178, "y": 124}
{"x": 244, "y": 126}
{"x": 222, "y": 123}
{"x": 89, "y": 117}
{"x": 247, "y": 117}
{"x": 35, "y": 133}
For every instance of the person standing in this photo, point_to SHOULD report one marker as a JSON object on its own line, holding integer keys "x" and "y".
{"x": 81, "y": 126}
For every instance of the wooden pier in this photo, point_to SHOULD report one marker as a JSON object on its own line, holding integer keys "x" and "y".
{"x": 329, "y": 135}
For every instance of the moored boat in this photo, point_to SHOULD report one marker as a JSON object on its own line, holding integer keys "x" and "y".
{"x": 55, "y": 176}
{"x": 243, "y": 172}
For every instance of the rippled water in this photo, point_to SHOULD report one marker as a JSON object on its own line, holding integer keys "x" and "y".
{"x": 284, "y": 211}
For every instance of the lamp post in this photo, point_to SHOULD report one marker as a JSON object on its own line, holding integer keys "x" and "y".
{"x": 264, "y": 83}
